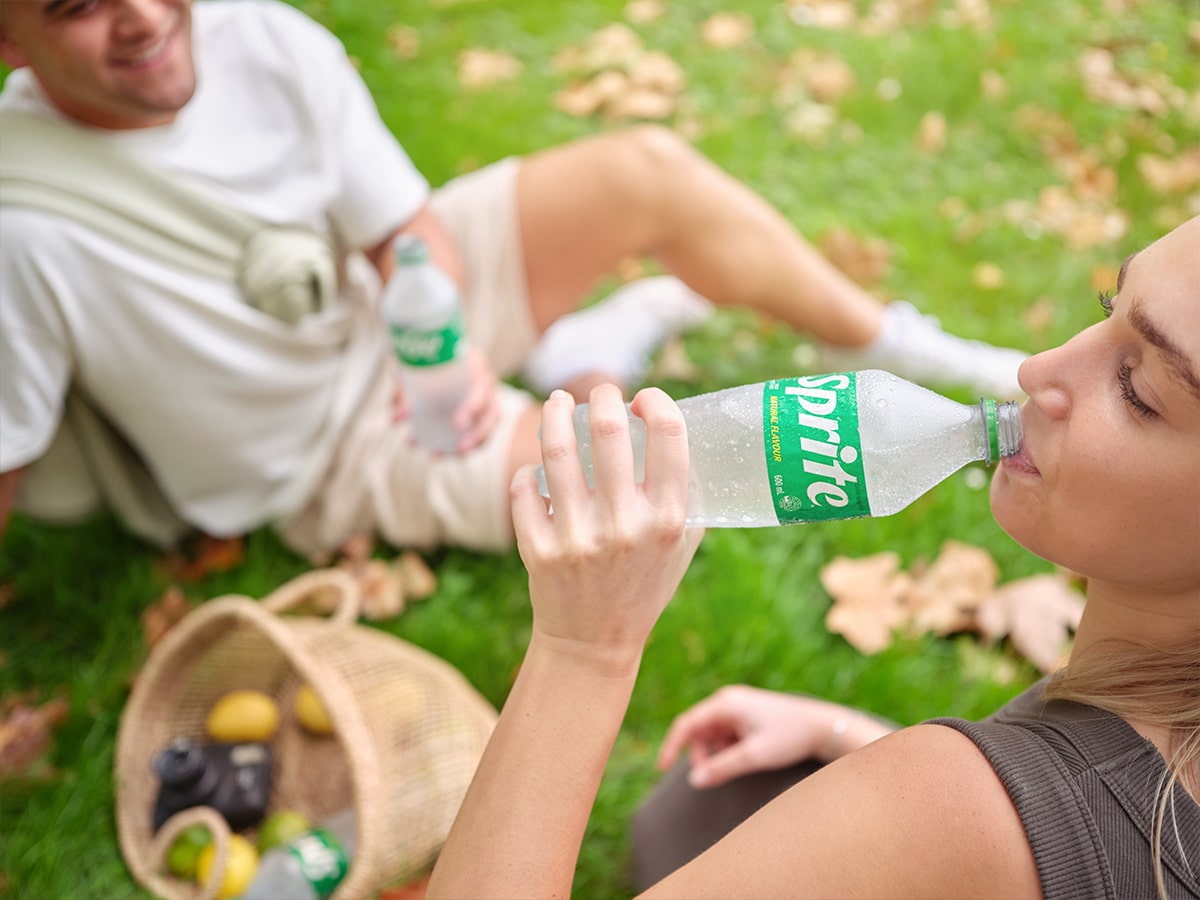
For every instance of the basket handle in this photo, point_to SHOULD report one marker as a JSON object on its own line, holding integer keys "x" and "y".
{"x": 217, "y": 827}
{"x": 293, "y": 592}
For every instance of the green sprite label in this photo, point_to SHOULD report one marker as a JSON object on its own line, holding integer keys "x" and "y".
{"x": 322, "y": 860}
{"x": 427, "y": 348}
{"x": 814, "y": 452}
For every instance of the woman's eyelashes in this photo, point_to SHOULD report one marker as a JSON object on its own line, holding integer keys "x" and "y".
{"x": 1129, "y": 395}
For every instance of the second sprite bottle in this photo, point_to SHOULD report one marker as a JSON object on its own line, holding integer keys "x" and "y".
{"x": 422, "y": 306}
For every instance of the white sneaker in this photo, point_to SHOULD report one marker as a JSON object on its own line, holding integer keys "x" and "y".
{"x": 617, "y": 335}
{"x": 915, "y": 347}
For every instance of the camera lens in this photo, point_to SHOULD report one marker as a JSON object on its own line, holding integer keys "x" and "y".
{"x": 180, "y": 763}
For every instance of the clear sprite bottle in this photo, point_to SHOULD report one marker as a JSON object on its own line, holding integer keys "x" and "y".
{"x": 821, "y": 447}
{"x": 423, "y": 309}
{"x": 309, "y": 866}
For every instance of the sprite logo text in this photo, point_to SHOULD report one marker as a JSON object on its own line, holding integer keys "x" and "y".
{"x": 813, "y": 449}
{"x": 321, "y": 859}
{"x": 427, "y": 348}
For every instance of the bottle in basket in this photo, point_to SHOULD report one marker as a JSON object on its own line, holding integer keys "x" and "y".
{"x": 423, "y": 310}
{"x": 309, "y": 866}
{"x": 821, "y": 447}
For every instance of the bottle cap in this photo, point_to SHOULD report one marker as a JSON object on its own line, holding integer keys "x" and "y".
{"x": 1004, "y": 431}
{"x": 410, "y": 250}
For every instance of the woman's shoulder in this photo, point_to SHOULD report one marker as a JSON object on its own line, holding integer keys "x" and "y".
{"x": 917, "y": 813}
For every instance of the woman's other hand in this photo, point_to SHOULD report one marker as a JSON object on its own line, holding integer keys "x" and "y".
{"x": 739, "y": 730}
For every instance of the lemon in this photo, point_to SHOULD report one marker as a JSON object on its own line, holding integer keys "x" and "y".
{"x": 185, "y": 851}
{"x": 312, "y": 712}
{"x": 243, "y": 716}
{"x": 280, "y": 827}
{"x": 243, "y": 862}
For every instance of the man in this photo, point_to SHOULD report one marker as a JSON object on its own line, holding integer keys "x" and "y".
{"x": 240, "y": 417}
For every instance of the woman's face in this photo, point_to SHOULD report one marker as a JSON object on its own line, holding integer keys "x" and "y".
{"x": 1108, "y": 481}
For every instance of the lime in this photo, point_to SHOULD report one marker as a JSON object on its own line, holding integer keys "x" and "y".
{"x": 185, "y": 851}
{"x": 243, "y": 862}
{"x": 280, "y": 827}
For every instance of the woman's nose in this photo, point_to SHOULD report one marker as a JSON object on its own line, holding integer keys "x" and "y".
{"x": 1044, "y": 378}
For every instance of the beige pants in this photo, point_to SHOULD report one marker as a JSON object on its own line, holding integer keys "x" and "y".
{"x": 379, "y": 482}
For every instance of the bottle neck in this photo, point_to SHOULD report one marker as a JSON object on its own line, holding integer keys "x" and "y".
{"x": 1001, "y": 425}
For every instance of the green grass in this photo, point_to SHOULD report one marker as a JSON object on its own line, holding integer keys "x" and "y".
{"x": 751, "y": 608}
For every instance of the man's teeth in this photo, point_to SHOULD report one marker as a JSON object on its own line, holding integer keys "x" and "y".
{"x": 149, "y": 54}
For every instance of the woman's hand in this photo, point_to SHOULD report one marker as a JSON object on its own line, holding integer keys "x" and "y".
{"x": 739, "y": 730}
{"x": 603, "y": 565}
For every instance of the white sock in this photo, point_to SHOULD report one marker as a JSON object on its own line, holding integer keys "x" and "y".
{"x": 615, "y": 336}
{"x": 915, "y": 347}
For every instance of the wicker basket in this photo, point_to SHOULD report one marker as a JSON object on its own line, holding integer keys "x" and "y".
{"x": 408, "y": 731}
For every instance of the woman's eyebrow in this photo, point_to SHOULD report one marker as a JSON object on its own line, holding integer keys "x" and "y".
{"x": 1176, "y": 360}
{"x": 1124, "y": 269}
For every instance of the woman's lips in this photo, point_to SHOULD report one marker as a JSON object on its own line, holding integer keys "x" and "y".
{"x": 1021, "y": 462}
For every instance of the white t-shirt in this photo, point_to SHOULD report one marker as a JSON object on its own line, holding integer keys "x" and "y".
{"x": 234, "y": 411}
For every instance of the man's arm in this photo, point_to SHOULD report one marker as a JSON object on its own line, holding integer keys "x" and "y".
{"x": 442, "y": 248}
{"x": 9, "y": 482}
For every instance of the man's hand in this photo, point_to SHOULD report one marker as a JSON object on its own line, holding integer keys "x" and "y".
{"x": 479, "y": 411}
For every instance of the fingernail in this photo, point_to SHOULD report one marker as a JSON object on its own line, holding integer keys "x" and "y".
{"x": 559, "y": 394}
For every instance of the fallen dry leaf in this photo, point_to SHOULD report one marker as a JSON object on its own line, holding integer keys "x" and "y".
{"x": 1104, "y": 277}
{"x": 865, "y": 260}
{"x": 723, "y": 29}
{"x": 993, "y": 85}
{"x": 973, "y": 14}
{"x": 382, "y": 590}
{"x": 987, "y": 275}
{"x": 643, "y": 11}
{"x": 811, "y": 123}
{"x": 208, "y": 554}
{"x": 867, "y": 599}
{"x": 416, "y": 577}
{"x": 25, "y": 733}
{"x": 931, "y": 133}
{"x": 1040, "y": 315}
{"x": 1037, "y": 613}
{"x": 639, "y": 103}
{"x": 405, "y": 41}
{"x": 616, "y": 46}
{"x": 944, "y": 597}
{"x": 479, "y": 69}
{"x": 162, "y": 615}
{"x": 834, "y": 15}
{"x": 674, "y": 364}
{"x": 825, "y": 77}
{"x": 656, "y": 71}
{"x": 1171, "y": 176}
{"x": 1151, "y": 92}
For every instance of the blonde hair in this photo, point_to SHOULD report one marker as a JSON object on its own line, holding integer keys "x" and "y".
{"x": 1150, "y": 685}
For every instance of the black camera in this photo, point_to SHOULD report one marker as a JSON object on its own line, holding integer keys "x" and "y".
{"x": 234, "y": 779}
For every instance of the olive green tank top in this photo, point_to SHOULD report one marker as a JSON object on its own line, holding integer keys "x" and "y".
{"x": 1084, "y": 783}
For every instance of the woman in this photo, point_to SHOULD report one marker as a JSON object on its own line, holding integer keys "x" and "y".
{"x": 1108, "y": 485}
